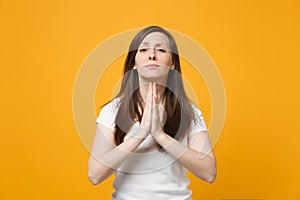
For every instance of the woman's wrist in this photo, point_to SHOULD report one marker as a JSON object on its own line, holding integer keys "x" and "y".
{"x": 162, "y": 138}
{"x": 170, "y": 144}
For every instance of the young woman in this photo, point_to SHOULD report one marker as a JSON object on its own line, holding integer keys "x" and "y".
{"x": 150, "y": 133}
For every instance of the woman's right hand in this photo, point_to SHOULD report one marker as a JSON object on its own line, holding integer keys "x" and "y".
{"x": 145, "y": 126}
{"x": 105, "y": 157}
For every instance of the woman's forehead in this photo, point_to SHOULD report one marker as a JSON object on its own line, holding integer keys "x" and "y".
{"x": 156, "y": 38}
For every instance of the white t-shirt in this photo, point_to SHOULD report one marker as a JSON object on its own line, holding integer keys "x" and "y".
{"x": 151, "y": 174}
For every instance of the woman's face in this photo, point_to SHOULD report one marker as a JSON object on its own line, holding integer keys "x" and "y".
{"x": 154, "y": 59}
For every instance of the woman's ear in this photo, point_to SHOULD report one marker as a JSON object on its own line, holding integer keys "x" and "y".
{"x": 172, "y": 66}
{"x": 134, "y": 67}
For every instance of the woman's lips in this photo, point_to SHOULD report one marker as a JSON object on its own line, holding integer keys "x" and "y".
{"x": 152, "y": 66}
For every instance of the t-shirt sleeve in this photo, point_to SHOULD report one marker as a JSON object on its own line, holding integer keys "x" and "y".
{"x": 199, "y": 124}
{"x": 108, "y": 115}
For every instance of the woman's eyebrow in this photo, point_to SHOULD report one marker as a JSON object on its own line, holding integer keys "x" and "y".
{"x": 157, "y": 44}
{"x": 144, "y": 43}
{"x": 161, "y": 44}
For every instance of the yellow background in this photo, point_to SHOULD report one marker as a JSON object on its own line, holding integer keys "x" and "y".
{"x": 255, "y": 45}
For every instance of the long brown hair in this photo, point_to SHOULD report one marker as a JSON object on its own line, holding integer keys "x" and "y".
{"x": 179, "y": 112}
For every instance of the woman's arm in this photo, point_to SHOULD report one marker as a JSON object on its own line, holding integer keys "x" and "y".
{"x": 105, "y": 156}
{"x": 198, "y": 158}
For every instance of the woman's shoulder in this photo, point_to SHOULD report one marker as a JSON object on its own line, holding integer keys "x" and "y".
{"x": 196, "y": 110}
{"x": 108, "y": 113}
{"x": 198, "y": 122}
{"x": 112, "y": 105}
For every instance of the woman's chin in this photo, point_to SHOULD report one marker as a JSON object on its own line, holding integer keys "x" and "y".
{"x": 153, "y": 78}
{"x": 157, "y": 80}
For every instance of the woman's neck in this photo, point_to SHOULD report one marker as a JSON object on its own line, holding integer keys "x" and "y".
{"x": 160, "y": 89}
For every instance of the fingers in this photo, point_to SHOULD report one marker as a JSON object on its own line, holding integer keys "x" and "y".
{"x": 149, "y": 95}
{"x": 154, "y": 102}
{"x": 155, "y": 121}
{"x": 145, "y": 126}
{"x": 148, "y": 109}
{"x": 155, "y": 112}
{"x": 154, "y": 95}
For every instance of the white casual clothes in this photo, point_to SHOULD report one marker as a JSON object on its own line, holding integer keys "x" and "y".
{"x": 151, "y": 174}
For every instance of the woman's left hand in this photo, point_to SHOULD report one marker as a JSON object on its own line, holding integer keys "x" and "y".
{"x": 190, "y": 157}
{"x": 155, "y": 123}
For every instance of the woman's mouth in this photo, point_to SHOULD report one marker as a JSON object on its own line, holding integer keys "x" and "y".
{"x": 152, "y": 66}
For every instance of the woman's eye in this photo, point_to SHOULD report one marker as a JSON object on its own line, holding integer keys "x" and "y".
{"x": 161, "y": 50}
{"x": 143, "y": 50}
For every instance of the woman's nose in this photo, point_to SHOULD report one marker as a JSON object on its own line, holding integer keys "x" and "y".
{"x": 152, "y": 54}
